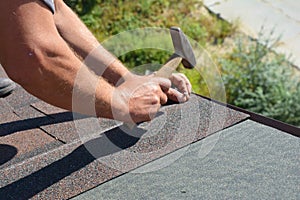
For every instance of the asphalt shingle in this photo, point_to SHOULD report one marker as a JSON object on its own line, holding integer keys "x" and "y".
{"x": 105, "y": 149}
{"x": 52, "y": 153}
{"x": 248, "y": 161}
{"x": 20, "y": 98}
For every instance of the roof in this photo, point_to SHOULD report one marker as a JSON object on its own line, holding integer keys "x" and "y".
{"x": 47, "y": 153}
{"x": 249, "y": 161}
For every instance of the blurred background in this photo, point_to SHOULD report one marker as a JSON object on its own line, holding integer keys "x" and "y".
{"x": 256, "y": 77}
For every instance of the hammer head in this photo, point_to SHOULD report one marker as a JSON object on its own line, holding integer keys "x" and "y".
{"x": 183, "y": 48}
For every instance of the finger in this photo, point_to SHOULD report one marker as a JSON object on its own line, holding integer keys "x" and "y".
{"x": 163, "y": 99}
{"x": 177, "y": 96}
{"x": 164, "y": 83}
{"x": 186, "y": 82}
{"x": 182, "y": 83}
{"x": 157, "y": 95}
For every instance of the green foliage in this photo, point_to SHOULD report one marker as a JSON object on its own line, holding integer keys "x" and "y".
{"x": 262, "y": 81}
{"x": 110, "y": 17}
{"x": 255, "y": 78}
{"x": 81, "y": 7}
{"x": 142, "y": 56}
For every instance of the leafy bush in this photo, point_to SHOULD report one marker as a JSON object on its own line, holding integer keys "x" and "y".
{"x": 255, "y": 78}
{"x": 110, "y": 17}
{"x": 81, "y": 7}
{"x": 261, "y": 81}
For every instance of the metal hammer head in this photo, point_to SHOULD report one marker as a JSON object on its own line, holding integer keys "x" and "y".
{"x": 183, "y": 48}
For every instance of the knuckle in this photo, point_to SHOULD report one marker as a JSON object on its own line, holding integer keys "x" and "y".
{"x": 156, "y": 89}
{"x": 181, "y": 81}
{"x": 156, "y": 100}
{"x": 164, "y": 99}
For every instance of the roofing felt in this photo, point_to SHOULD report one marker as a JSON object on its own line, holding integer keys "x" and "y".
{"x": 248, "y": 161}
{"x": 45, "y": 155}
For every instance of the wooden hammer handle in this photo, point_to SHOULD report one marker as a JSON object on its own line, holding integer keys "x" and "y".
{"x": 167, "y": 69}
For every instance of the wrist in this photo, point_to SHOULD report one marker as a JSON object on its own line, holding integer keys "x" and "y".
{"x": 119, "y": 104}
{"x": 103, "y": 99}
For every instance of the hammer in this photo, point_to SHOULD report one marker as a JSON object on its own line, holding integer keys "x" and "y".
{"x": 183, "y": 53}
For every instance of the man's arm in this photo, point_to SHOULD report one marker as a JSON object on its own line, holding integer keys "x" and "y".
{"x": 35, "y": 55}
{"x": 77, "y": 35}
{"x": 100, "y": 60}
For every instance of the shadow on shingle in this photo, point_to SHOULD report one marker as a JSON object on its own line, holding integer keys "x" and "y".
{"x": 76, "y": 167}
{"x": 10, "y": 152}
{"x": 76, "y": 160}
{"x": 27, "y": 124}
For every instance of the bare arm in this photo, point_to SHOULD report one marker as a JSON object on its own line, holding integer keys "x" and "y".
{"x": 101, "y": 61}
{"x": 35, "y": 55}
{"x": 85, "y": 44}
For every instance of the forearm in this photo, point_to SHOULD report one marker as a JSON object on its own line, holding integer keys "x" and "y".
{"x": 62, "y": 80}
{"x": 35, "y": 56}
{"x": 77, "y": 35}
